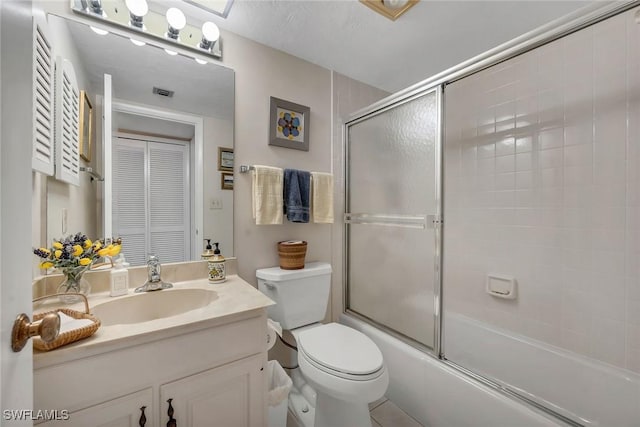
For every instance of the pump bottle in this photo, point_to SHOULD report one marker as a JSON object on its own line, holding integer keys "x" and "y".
{"x": 216, "y": 266}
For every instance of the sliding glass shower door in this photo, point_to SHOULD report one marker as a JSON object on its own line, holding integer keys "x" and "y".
{"x": 392, "y": 216}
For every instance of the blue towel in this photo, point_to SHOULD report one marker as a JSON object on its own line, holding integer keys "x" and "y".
{"x": 297, "y": 186}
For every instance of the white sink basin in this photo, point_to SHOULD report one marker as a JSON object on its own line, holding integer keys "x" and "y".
{"x": 152, "y": 305}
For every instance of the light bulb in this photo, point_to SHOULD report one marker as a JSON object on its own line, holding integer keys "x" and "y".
{"x": 137, "y": 7}
{"x": 171, "y": 52}
{"x": 210, "y": 31}
{"x": 137, "y": 10}
{"x": 137, "y": 42}
{"x": 176, "y": 18}
{"x": 395, "y": 4}
{"x": 200, "y": 61}
{"x": 99, "y": 31}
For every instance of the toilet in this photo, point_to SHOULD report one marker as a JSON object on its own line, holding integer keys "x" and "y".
{"x": 343, "y": 366}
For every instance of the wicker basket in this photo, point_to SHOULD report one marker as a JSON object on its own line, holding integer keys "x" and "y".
{"x": 69, "y": 336}
{"x": 292, "y": 254}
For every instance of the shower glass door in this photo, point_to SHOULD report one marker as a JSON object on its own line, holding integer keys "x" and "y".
{"x": 392, "y": 216}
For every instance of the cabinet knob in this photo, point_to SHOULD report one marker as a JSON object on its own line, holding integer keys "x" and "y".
{"x": 143, "y": 418}
{"x": 172, "y": 421}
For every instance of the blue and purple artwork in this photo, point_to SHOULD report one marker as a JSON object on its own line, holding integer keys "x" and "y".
{"x": 290, "y": 125}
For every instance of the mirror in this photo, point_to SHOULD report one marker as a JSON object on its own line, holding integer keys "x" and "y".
{"x": 183, "y": 88}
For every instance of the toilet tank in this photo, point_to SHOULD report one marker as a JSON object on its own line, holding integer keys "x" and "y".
{"x": 301, "y": 296}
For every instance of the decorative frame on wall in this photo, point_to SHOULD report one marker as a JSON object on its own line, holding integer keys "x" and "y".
{"x": 86, "y": 126}
{"x": 289, "y": 124}
{"x": 225, "y": 159}
{"x": 226, "y": 181}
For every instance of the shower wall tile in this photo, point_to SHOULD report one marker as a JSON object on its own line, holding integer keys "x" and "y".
{"x": 542, "y": 183}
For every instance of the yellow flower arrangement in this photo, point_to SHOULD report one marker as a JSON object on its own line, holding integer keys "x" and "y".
{"x": 75, "y": 252}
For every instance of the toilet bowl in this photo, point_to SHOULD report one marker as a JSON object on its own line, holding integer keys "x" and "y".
{"x": 343, "y": 366}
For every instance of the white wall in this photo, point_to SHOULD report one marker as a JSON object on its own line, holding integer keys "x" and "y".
{"x": 218, "y": 223}
{"x": 262, "y": 72}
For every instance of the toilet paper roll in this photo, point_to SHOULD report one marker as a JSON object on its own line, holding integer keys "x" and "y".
{"x": 273, "y": 331}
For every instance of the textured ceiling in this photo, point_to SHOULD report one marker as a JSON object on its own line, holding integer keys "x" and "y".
{"x": 346, "y": 36}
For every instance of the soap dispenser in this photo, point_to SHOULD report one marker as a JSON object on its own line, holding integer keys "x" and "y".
{"x": 119, "y": 276}
{"x": 208, "y": 251}
{"x": 216, "y": 266}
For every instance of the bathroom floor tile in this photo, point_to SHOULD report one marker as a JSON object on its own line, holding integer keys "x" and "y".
{"x": 389, "y": 415}
{"x": 374, "y": 405}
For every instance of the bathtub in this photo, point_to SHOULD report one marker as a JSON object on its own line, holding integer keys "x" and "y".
{"x": 436, "y": 394}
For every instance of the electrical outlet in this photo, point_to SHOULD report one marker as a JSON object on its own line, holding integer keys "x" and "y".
{"x": 64, "y": 220}
{"x": 216, "y": 204}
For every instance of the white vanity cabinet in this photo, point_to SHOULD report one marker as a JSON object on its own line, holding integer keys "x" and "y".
{"x": 213, "y": 374}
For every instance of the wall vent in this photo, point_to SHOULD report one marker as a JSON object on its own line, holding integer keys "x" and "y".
{"x": 163, "y": 92}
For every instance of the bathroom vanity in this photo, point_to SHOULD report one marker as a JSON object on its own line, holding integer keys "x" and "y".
{"x": 199, "y": 366}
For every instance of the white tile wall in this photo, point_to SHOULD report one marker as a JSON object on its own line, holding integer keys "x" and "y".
{"x": 542, "y": 182}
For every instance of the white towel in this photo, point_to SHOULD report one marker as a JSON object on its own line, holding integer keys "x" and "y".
{"x": 68, "y": 323}
{"x": 322, "y": 198}
{"x": 266, "y": 189}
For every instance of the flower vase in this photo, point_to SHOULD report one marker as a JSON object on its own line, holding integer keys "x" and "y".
{"x": 74, "y": 283}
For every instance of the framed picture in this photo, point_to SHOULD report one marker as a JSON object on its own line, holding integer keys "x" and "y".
{"x": 225, "y": 159}
{"x": 289, "y": 125}
{"x": 227, "y": 181}
{"x": 86, "y": 126}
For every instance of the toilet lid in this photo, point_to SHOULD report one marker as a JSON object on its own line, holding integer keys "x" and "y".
{"x": 341, "y": 349}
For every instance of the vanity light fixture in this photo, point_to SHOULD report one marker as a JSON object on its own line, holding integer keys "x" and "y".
{"x": 176, "y": 21}
{"x": 141, "y": 21}
{"x": 391, "y": 9}
{"x": 210, "y": 35}
{"x": 200, "y": 61}
{"x": 137, "y": 10}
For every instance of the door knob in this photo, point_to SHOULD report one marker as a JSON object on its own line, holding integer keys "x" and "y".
{"x": 47, "y": 328}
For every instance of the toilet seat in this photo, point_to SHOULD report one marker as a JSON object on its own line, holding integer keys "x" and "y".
{"x": 341, "y": 351}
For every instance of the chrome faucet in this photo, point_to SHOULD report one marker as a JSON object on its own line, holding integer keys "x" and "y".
{"x": 154, "y": 282}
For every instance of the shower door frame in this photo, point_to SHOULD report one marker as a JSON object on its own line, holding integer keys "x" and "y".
{"x": 432, "y": 220}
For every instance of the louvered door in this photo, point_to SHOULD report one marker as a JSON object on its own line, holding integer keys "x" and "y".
{"x": 67, "y": 123}
{"x": 42, "y": 159}
{"x": 151, "y": 202}
{"x": 129, "y": 198}
{"x": 169, "y": 201}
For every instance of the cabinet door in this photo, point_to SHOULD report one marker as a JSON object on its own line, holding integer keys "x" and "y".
{"x": 125, "y": 411}
{"x": 229, "y": 395}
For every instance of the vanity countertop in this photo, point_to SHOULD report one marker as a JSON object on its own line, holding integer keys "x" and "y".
{"x": 234, "y": 300}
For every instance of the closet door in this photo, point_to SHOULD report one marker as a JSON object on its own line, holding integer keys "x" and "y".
{"x": 151, "y": 199}
{"x": 169, "y": 201}
{"x": 130, "y": 199}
